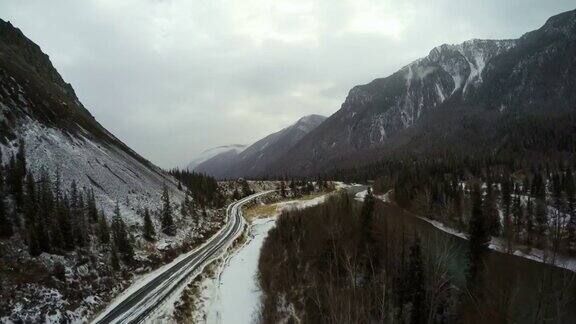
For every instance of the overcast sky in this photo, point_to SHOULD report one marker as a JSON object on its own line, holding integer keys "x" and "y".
{"x": 174, "y": 77}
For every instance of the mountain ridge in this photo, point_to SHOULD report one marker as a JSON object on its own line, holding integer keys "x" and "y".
{"x": 391, "y": 114}
{"x": 256, "y": 157}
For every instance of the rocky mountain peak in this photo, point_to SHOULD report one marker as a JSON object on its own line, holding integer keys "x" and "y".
{"x": 564, "y": 23}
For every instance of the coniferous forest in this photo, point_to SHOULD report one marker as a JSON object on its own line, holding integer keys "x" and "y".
{"x": 351, "y": 262}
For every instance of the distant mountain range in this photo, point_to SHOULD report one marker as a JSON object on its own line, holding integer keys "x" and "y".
{"x": 514, "y": 97}
{"x": 212, "y": 152}
{"x": 479, "y": 96}
{"x": 251, "y": 161}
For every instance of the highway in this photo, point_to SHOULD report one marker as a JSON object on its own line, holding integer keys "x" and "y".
{"x": 137, "y": 306}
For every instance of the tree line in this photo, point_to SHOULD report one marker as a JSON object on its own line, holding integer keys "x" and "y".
{"x": 202, "y": 188}
{"x": 342, "y": 262}
{"x": 52, "y": 219}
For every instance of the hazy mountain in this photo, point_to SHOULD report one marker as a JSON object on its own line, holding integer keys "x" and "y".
{"x": 212, "y": 152}
{"x": 255, "y": 159}
{"x": 459, "y": 97}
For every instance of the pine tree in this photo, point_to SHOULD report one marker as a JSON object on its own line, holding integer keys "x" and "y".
{"x": 366, "y": 217}
{"x": 570, "y": 189}
{"x": 491, "y": 210}
{"x": 6, "y": 230}
{"x": 31, "y": 215}
{"x": 541, "y": 217}
{"x": 415, "y": 284}
{"x": 121, "y": 239}
{"x": 518, "y": 213}
{"x": 168, "y": 226}
{"x": 478, "y": 239}
{"x": 65, "y": 223}
{"x": 114, "y": 261}
{"x": 15, "y": 180}
{"x": 1, "y": 172}
{"x": 78, "y": 216}
{"x": 283, "y": 189}
{"x": 92, "y": 209}
{"x": 246, "y": 191}
{"x": 45, "y": 203}
{"x": 507, "y": 211}
{"x": 103, "y": 230}
{"x": 148, "y": 227}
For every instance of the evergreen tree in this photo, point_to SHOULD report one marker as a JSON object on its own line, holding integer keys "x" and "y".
{"x": 65, "y": 223}
{"x": 6, "y": 230}
{"x": 246, "y": 191}
{"x": 148, "y": 227}
{"x": 1, "y": 172}
{"x": 541, "y": 217}
{"x": 459, "y": 206}
{"x": 92, "y": 209}
{"x": 168, "y": 226}
{"x": 415, "y": 284}
{"x": 491, "y": 210}
{"x": 570, "y": 189}
{"x": 15, "y": 180}
{"x": 121, "y": 240}
{"x": 31, "y": 216}
{"x": 45, "y": 203}
{"x": 519, "y": 218}
{"x": 478, "y": 239}
{"x": 366, "y": 217}
{"x": 103, "y": 230}
{"x": 114, "y": 261}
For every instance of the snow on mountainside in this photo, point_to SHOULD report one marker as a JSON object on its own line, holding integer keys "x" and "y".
{"x": 433, "y": 96}
{"x": 212, "y": 152}
{"x": 38, "y": 107}
{"x": 255, "y": 159}
{"x": 68, "y": 284}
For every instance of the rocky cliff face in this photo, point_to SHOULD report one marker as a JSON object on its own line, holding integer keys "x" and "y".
{"x": 501, "y": 77}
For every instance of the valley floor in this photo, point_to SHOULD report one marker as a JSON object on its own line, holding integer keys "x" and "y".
{"x": 230, "y": 293}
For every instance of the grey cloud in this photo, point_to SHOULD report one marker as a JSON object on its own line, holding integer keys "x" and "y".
{"x": 172, "y": 78}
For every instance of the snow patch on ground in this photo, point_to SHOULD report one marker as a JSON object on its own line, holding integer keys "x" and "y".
{"x": 232, "y": 295}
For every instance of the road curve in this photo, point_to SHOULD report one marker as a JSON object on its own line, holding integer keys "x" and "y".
{"x": 138, "y": 305}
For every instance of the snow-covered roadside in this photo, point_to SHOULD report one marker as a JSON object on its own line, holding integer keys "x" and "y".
{"x": 236, "y": 297}
{"x": 231, "y": 295}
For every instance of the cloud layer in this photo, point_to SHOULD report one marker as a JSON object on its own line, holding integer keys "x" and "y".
{"x": 174, "y": 77}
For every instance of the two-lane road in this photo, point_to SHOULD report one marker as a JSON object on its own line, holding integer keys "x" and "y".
{"x": 138, "y": 305}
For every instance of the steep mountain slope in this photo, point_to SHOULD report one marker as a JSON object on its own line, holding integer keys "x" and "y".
{"x": 38, "y": 107}
{"x": 424, "y": 106}
{"x": 57, "y": 262}
{"x": 256, "y": 158}
{"x": 212, "y": 152}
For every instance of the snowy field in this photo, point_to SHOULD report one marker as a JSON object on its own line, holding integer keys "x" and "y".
{"x": 232, "y": 295}
{"x": 236, "y": 297}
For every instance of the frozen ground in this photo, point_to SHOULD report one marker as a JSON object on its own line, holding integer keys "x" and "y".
{"x": 232, "y": 295}
{"x": 236, "y": 295}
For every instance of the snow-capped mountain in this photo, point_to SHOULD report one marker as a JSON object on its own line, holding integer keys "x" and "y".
{"x": 38, "y": 107}
{"x": 212, "y": 152}
{"x": 255, "y": 159}
{"x": 423, "y": 106}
